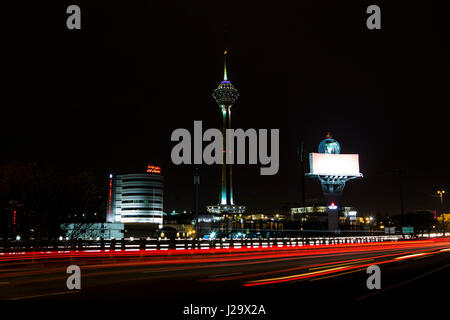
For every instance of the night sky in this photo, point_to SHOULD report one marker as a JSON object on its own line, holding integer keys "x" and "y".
{"x": 107, "y": 98}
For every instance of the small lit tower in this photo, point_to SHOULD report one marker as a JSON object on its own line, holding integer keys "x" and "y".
{"x": 333, "y": 170}
{"x": 226, "y": 95}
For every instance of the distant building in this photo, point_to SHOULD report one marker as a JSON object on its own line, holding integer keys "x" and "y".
{"x": 248, "y": 224}
{"x": 318, "y": 217}
{"x": 136, "y": 198}
{"x": 134, "y": 208}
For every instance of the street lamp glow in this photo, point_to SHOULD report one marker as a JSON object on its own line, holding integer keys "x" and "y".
{"x": 440, "y": 195}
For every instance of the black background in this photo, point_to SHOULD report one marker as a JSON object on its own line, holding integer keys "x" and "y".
{"x": 107, "y": 97}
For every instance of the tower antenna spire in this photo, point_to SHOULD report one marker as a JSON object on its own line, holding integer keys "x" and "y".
{"x": 225, "y": 53}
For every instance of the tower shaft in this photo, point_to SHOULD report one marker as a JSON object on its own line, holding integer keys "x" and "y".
{"x": 226, "y": 195}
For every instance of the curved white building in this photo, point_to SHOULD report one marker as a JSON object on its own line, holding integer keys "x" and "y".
{"x": 136, "y": 198}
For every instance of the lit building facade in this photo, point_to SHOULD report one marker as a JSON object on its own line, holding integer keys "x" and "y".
{"x": 136, "y": 198}
{"x": 318, "y": 217}
{"x": 305, "y": 214}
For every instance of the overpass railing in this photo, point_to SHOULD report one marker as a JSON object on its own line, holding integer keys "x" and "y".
{"x": 150, "y": 244}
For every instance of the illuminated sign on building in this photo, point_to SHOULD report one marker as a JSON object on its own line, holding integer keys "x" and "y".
{"x": 153, "y": 169}
{"x": 332, "y": 206}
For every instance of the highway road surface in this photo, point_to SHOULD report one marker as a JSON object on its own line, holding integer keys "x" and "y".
{"x": 258, "y": 283}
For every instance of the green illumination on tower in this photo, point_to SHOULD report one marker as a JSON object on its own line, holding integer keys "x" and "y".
{"x": 225, "y": 95}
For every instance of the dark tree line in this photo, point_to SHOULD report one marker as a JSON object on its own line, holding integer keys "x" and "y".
{"x": 43, "y": 197}
{"x": 421, "y": 221}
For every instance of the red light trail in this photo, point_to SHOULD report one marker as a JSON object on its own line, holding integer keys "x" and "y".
{"x": 243, "y": 267}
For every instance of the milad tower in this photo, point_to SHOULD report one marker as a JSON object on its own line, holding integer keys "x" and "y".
{"x": 226, "y": 95}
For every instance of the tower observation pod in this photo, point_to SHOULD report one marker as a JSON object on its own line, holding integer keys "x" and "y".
{"x": 226, "y": 95}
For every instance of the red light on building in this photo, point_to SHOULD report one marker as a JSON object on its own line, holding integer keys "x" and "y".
{"x": 14, "y": 217}
{"x": 332, "y": 206}
{"x": 153, "y": 169}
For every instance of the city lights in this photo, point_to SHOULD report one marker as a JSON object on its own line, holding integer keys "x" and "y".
{"x": 303, "y": 147}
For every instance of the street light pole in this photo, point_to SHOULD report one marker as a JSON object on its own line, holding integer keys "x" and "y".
{"x": 301, "y": 156}
{"x": 441, "y": 195}
{"x": 196, "y": 184}
{"x": 402, "y": 203}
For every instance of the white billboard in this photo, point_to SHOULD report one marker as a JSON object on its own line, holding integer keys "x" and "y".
{"x": 334, "y": 164}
